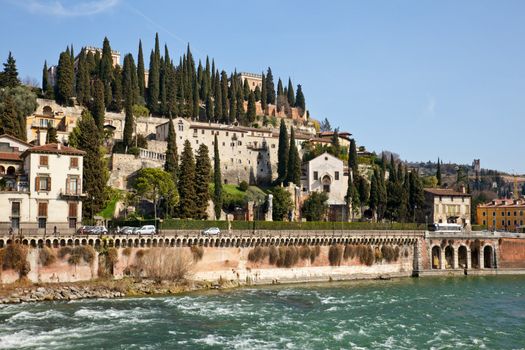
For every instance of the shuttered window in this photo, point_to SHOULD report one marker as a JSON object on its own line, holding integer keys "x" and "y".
{"x": 43, "y": 183}
{"x": 44, "y": 160}
{"x": 73, "y": 162}
{"x": 42, "y": 209}
{"x": 73, "y": 210}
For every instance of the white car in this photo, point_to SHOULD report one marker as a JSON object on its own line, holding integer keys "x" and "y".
{"x": 146, "y": 230}
{"x": 212, "y": 231}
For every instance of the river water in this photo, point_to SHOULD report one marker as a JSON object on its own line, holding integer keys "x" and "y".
{"x": 425, "y": 313}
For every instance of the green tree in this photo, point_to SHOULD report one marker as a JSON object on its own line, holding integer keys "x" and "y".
{"x": 19, "y": 102}
{"x": 202, "y": 181}
{"x": 217, "y": 180}
{"x": 51, "y": 135}
{"x": 153, "y": 83}
{"x": 141, "y": 75}
{"x": 416, "y": 197}
{"x": 251, "y": 111}
{"x": 127, "y": 136}
{"x": 363, "y": 189}
{"x": 299, "y": 100}
{"x": 218, "y": 99}
{"x": 65, "y": 80}
{"x": 315, "y": 207}
{"x": 9, "y": 118}
{"x": 172, "y": 156}
{"x": 374, "y": 193}
{"x": 282, "y": 203}
{"x": 155, "y": 184}
{"x": 224, "y": 94}
{"x": 98, "y": 109}
{"x": 47, "y": 88}
{"x": 89, "y": 140}
{"x": 83, "y": 80}
{"x": 264, "y": 95}
{"x": 186, "y": 185}
{"x": 270, "y": 87}
{"x": 290, "y": 93}
{"x": 9, "y": 77}
{"x": 282, "y": 154}
{"x": 209, "y": 109}
{"x": 325, "y": 125}
{"x": 294, "y": 162}
{"x": 257, "y": 93}
{"x": 438, "y": 173}
{"x": 335, "y": 144}
{"x": 280, "y": 94}
{"x": 352, "y": 157}
{"x": 116, "y": 88}
{"x": 106, "y": 70}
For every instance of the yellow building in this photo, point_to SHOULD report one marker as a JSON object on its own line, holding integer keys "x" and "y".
{"x": 502, "y": 214}
{"x": 38, "y": 123}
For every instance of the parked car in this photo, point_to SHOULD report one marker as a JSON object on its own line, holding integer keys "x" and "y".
{"x": 127, "y": 230}
{"x": 84, "y": 230}
{"x": 146, "y": 230}
{"x": 212, "y": 231}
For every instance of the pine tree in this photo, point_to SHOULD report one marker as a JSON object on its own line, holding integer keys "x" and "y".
{"x": 9, "y": 118}
{"x": 294, "y": 162}
{"x": 153, "y": 83}
{"x": 251, "y": 111}
{"x": 438, "y": 173}
{"x": 10, "y": 73}
{"x": 95, "y": 172}
{"x": 202, "y": 181}
{"x": 65, "y": 79}
{"x": 187, "y": 183}
{"x": 282, "y": 154}
{"x": 51, "y": 135}
{"x": 172, "y": 156}
{"x": 299, "y": 100}
{"x": 290, "y": 93}
{"x": 98, "y": 108}
{"x": 217, "y": 181}
{"x": 325, "y": 125}
{"x": 352, "y": 157}
{"x": 141, "y": 74}
{"x": 270, "y": 87}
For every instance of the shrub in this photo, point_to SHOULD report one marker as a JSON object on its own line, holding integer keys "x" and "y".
{"x": 46, "y": 256}
{"x": 291, "y": 256}
{"x": 63, "y": 251}
{"x": 197, "y": 252}
{"x": 335, "y": 254}
{"x": 126, "y": 251}
{"x": 243, "y": 186}
{"x": 349, "y": 252}
{"x": 378, "y": 255}
{"x": 273, "y": 254}
{"x": 406, "y": 253}
{"x": 87, "y": 252}
{"x": 314, "y": 253}
{"x": 304, "y": 252}
{"x": 390, "y": 253}
{"x": 14, "y": 256}
{"x": 171, "y": 264}
{"x": 257, "y": 254}
{"x": 112, "y": 256}
{"x": 139, "y": 254}
{"x": 77, "y": 254}
{"x": 365, "y": 254}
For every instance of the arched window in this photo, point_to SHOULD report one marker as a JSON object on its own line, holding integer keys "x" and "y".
{"x": 11, "y": 171}
{"x": 326, "y": 183}
{"x": 2, "y": 170}
{"x": 181, "y": 126}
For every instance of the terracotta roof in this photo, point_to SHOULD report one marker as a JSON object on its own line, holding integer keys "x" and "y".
{"x": 446, "y": 192}
{"x": 15, "y": 139}
{"x": 13, "y": 156}
{"x": 343, "y": 134}
{"x": 504, "y": 203}
{"x": 54, "y": 148}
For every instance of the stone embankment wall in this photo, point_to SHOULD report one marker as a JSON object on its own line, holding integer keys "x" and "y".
{"x": 512, "y": 253}
{"x": 216, "y": 264}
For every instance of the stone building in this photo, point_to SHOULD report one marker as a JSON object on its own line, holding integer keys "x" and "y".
{"x": 502, "y": 214}
{"x": 445, "y": 205}
{"x": 40, "y": 187}
{"x": 49, "y": 113}
{"x": 254, "y": 80}
{"x": 326, "y": 173}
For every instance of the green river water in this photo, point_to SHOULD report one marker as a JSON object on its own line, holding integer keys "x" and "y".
{"x": 424, "y": 313}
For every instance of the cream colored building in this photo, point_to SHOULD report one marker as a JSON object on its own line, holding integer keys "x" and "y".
{"x": 254, "y": 80}
{"x": 445, "y": 205}
{"x": 41, "y": 190}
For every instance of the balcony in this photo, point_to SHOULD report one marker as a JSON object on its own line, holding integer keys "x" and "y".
{"x": 75, "y": 195}
{"x": 256, "y": 146}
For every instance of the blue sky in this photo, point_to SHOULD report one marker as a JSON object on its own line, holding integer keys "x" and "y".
{"x": 425, "y": 79}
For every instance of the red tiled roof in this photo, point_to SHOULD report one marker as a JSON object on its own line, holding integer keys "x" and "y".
{"x": 446, "y": 192}
{"x": 15, "y": 139}
{"x": 12, "y": 156}
{"x": 504, "y": 203}
{"x": 54, "y": 148}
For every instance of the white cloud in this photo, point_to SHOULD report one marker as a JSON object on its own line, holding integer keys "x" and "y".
{"x": 67, "y": 8}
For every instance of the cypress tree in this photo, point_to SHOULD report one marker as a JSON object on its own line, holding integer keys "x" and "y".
{"x": 246, "y": 90}
{"x": 116, "y": 88}
{"x": 374, "y": 193}
{"x": 65, "y": 79}
{"x": 141, "y": 74}
{"x": 270, "y": 87}
{"x": 10, "y": 74}
{"x": 127, "y": 136}
{"x": 129, "y": 84}
{"x": 438, "y": 173}
{"x": 47, "y": 88}
{"x": 172, "y": 156}
{"x": 202, "y": 181}
{"x": 233, "y": 109}
{"x": 218, "y": 99}
{"x": 224, "y": 93}
{"x": 382, "y": 198}
{"x": 196, "y": 103}
{"x": 280, "y": 91}
{"x": 336, "y": 146}
{"x": 290, "y": 93}
{"x": 210, "y": 113}
{"x": 217, "y": 181}
{"x": 257, "y": 93}
{"x": 294, "y": 162}
{"x": 83, "y": 81}
{"x": 98, "y": 108}
{"x": 352, "y": 194}
{"x": 299, "y": 100}
{"x": 282, "y": 154}
{"x": 163, "y": 95}
{"x": 51, "y": 135}
{"x": 352, "y": 157}
{"x": 153, "y": 83}
{"x": 106, "y": 71}
{"x": 95, "y": 172}
{"x": 264, "y": 95}
{"x": 251, "y": 111}
{"x": 187, "y": 183}
{"x": 364, "y": 191}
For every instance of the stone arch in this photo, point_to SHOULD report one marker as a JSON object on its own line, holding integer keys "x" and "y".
{"x": 84, "y": 242}
{"x": 449, "y": 257}
{"x": 90, "y": 242}
{"x": 117, "y": 243}
{"x": 488, "y": 257}
{"x": 55, "y": 243}
{"x": 474, "y": 257}
{"x": 2, "y": 170}
{"x": 11, "y": 171}
{"x": 62, "y": 242}
{"x": 462, "y": 256}
{"x": 435, "y": 260}
{"x": 48, "y": 243}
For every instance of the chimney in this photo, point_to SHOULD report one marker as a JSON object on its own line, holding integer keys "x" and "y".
{"x": 462, "y": 189}
{"x": 59, "y": 146}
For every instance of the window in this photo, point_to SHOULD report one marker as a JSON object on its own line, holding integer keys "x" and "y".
{"x": 508, "y": 222}
{"x": 181, "y": 127}
{"x": 502, "y": 213}
{"x": 43, "y": 183}
{"x": 44, "y": 160}
{"x": 508, "y": 213}
{"x": 72, "y": 222}
{"x": 72, "y": 185}
{"x": 42, "y": 222}
{"x": 502, "y": 222}
{"x": 316, "y": 175}
{"x": 337, "y": 175}
{"x": 227, "y": 133}
{"x": 42, "y": 209}
{"x": 73, "y": 209}
{"x": 15, "y": 215}
{"x": 73, "y": 162}
{"x": 202, "y": 131}
{"x": 484, "y": 222}
{"x": 484, "y": 213}
{"x": 493, "y": 213}
{"x": 515, "y": 214}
